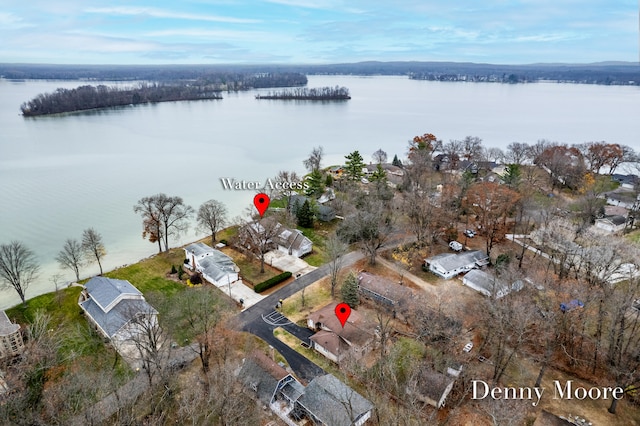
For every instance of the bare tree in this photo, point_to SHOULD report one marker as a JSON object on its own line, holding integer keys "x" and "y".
{"x": 212, "y": 216}
{"x": 370, "y": 228}
{"x": 18, "y": 267}
{"x": 151, "y": 343}
{"x": 315, "y": 159}
{"x": 517, "y": 152}
{"x": 380, "y": 157}
{"x": 257, "y": 236}
{"x": 93, "y": 246}
{"x": 202, "y": 310}
{"x": 163, "y": 216}
{"x": 71, "y": 256}
{"x": 335, "y": 250}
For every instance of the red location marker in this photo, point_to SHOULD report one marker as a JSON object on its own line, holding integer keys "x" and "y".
{"x": 261, "y": 201}
{"x": 342, "y": 312}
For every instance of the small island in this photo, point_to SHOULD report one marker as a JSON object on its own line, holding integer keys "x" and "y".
{"x": 310, "y": 94}
{"x": 96, "y": 97}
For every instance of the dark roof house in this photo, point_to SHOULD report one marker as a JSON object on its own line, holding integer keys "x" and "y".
{"x": 432, "y": 387}
{"x": 328, "y": 401}
{"x": 385, "y": 293}
{"x": 335, "y": 341}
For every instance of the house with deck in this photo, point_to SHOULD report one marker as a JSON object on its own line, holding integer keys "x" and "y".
{"x": 324, "y": 401}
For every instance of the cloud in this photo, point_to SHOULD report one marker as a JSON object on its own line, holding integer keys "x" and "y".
{"x": 167, "y": 14}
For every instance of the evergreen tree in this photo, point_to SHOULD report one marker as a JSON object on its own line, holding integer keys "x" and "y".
{"x": 396, "y": 162}
{"x": 304, "y": 215}
{"x": 354, "y": 165}
{"x": 379, "y": 174}
{"x": 349, "y": 291}
{"x": 328, "y": 180}
{"x": 316, "y": 187}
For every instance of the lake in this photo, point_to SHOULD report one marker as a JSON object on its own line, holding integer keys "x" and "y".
{"x": 60, "y": 175}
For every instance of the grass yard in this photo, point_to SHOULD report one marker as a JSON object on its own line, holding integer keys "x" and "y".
{"x": 318, "y": 235}
{"x": 316, "y": 296}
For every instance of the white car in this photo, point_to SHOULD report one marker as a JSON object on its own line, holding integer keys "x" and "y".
{"x": 467, "y": 347}
{"x": 455, "y": 246}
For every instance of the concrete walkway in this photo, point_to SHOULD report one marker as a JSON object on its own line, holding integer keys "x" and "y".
{"x": 286, "y": 262}
{"x": 238, "y": 291}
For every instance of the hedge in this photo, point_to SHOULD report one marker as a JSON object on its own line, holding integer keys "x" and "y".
{"x": 259, "y": 288}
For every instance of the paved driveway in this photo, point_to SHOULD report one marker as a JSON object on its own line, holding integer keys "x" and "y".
{"x": 286, "y": 262}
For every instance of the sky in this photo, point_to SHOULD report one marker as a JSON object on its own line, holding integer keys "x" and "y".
{"x": 317, "y": 31}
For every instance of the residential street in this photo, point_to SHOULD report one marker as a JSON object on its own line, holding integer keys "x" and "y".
{"x": 251, "y": 319}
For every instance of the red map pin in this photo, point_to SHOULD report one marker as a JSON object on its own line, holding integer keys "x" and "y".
{"x": 342, "y": 312}
{"x": 261, "y": 201}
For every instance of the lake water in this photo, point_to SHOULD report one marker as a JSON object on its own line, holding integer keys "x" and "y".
{"x": 60, "y": 175}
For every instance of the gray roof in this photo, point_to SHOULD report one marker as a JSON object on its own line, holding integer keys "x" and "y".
{"x": 333, "y": 402}
{"x": 452, "y": 261}
{"x": 433, "y": 384}
{"x": 198, "y": 248}
{"x": 261, "y": 375}
{"x": 217, "y": 267}
{"x": 615, "y": 219}
{"x": 6, "y": 326}
{"x": 121, "y": 314}
{"x": 105, "y": 290}
{"x": 491, "y": 285}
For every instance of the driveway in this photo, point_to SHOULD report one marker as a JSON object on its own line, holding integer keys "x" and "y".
{"x": 252, "y": 319}
{"x": 286, "y": 262}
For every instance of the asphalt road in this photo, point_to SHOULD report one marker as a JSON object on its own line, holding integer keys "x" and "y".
{"x": 251, "y": 319}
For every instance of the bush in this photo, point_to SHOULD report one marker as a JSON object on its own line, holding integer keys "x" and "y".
{"x": 259, "y": 288}
{"x": 196, "y": 279}
{"x": 173, "y": 269}
{"x": 180, "y": 272}
{"x": 223, "y": 241}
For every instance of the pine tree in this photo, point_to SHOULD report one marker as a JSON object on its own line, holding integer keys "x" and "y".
{"x": 316, "y": 187}
{"x": 396, "y": 162}
{"x": 304, "y": 215}
{"x": 349, "y": 291}
{"x": 379, "y": 174}
{"x": 354, "y": 165}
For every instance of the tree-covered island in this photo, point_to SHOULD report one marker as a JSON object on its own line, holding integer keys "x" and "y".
{"x": 310, "y": 94}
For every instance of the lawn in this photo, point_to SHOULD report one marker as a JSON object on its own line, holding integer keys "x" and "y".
{"x": 316, "y": 296}
{"x": 318, "y": 235}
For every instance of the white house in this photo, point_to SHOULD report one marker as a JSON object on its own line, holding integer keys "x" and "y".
{"x": 615, "y": 223}
{"x": 285, "y": 240}
{"x": 116, "y": 309}
{"x": 488, "y": 284}
{"x": 215, "y": 266}
{"x": 448, "y": 265}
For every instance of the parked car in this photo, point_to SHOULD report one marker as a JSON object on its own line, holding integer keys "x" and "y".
{"x": 469, "y": 233}
{"x": 467, "y": 347}
{"x": 455, "y": 246}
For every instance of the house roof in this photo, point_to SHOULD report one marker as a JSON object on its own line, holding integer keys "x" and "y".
{"x": 384, "y": 287}
{"x": 331, "y": 342}
{"x": 198, "y": 249}
{"x": 105, "y": 290}
{"x": 433, "y": 384}
{"x": 453, "y": 261}
{"x": 6, "y": 326}
{"x": 119, "y": 315}
{"x": 490, "y": 284}
{"x": 333, "y": 402}
{"x": 356, "y": 330}
{"x": 261, "y": 374}
{"x": 616, "y": 220}
{"x": 217, "y": 265}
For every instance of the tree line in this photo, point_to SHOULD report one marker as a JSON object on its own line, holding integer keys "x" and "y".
{"x": 309, "y": 94}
